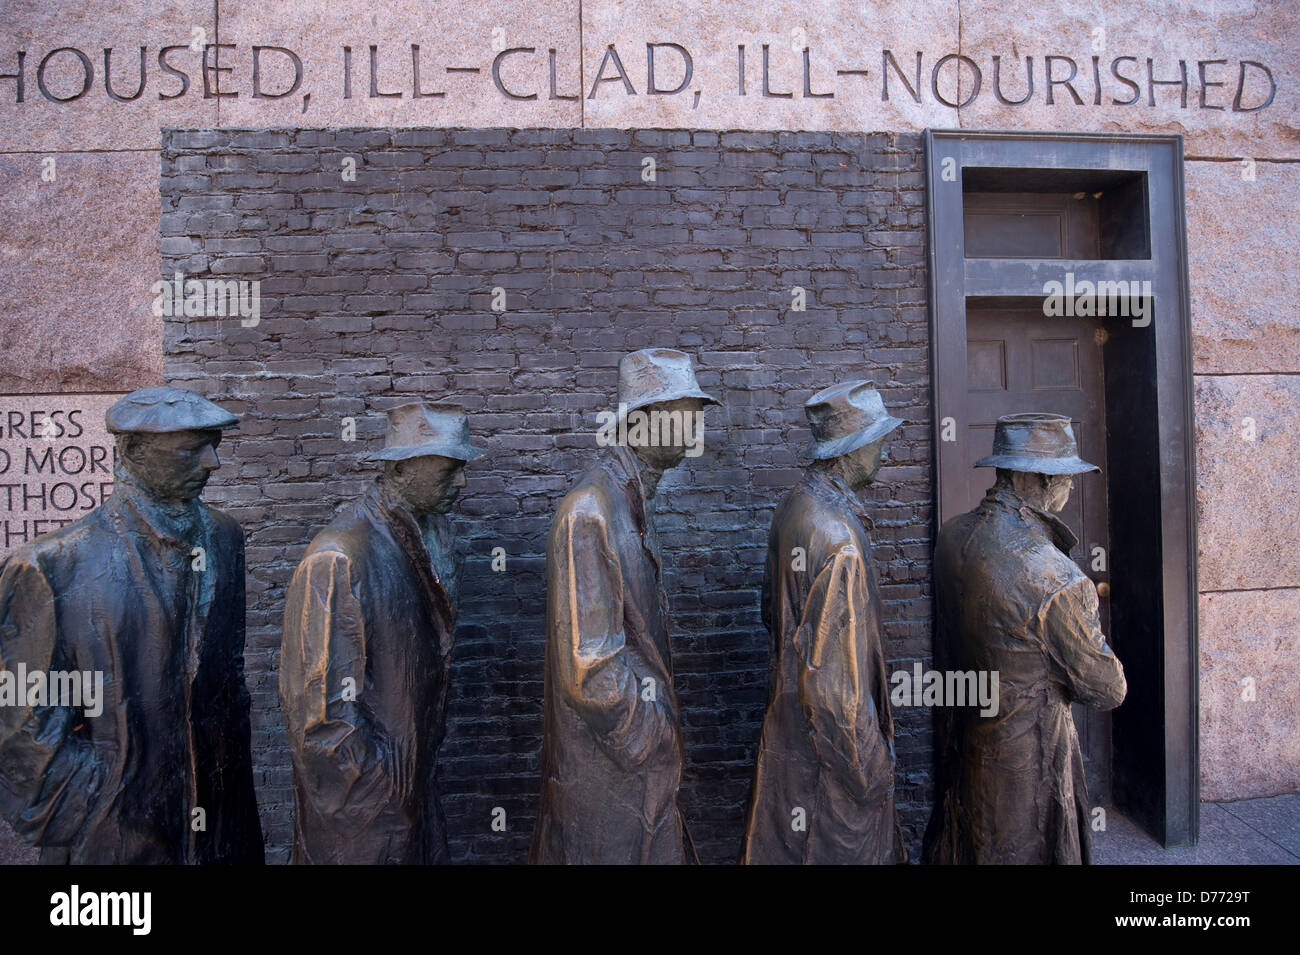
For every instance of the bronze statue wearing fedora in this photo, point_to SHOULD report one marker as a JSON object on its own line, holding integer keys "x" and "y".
{"x": 612, "y": 750}
{"x": 147, "y": 593}
{"x": 1010, "y": 786}
{"x": 368, "y": 626}
{"x": 824, "y": 782}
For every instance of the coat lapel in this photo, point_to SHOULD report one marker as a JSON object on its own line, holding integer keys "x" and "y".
{"x": 401, "y": 525}
{"x": 141, "y": 520}
{"x": 621, "y": 467}
{"x": 1062, "y": 538}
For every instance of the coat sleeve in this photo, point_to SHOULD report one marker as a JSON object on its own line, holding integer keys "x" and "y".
{"x": 49, "y": 774}
{"x": 834, "y": 693}
{"x": 350, "y": 774}
{"x": 1081, "y": 659}
{"x": 596, "y": 674}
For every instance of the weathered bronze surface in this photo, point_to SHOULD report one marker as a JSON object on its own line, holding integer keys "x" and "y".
{"x": 612, "y": 750}
{"x": 368, "y": 628}
{"x": 1010, "y": 787}
{"x": 147, "y": 591}
{"x": 824, "y": 782}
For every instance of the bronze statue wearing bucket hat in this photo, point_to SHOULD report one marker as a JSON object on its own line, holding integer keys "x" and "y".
{"x": 1010, "y": 785}
{"x": 364, "y": 663}
{"x": 824, "y": 782}
{"x": 612, "y": 753}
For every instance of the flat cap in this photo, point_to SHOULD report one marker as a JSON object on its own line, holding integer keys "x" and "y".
{"x": 163, "y": 409}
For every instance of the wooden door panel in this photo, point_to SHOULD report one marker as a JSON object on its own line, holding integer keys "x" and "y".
{"x": 1030, "y": 226}
{"x": 1020, "y": 360}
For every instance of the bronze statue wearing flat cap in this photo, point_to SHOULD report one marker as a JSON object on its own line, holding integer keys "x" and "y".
{"x": 612, "y": 751}
{"x": 824, "y": 781}
{"x": 1010, "y": 786}
{"x": 366, "y": 654}
{"x": 146, "y": 595}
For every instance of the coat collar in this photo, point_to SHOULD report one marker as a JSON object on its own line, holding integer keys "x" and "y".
{"x": 186, "y": 527}
{"x": 1056, "y": 530}
{"x": 834, "y": 486}
{"x": 623, "y": 466}
{"x": 183, "y": 525}
{"x": 387, "y": 507}
{"x": 624, "y": 469}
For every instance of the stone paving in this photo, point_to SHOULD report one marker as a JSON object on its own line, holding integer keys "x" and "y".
{"x": 1245, "y": 832}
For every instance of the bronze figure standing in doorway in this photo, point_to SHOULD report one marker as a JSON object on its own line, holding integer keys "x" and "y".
{"x": 1011, "y": 785}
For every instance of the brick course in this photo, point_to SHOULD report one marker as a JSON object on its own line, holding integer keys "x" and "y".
{"x": 378, "y": 291}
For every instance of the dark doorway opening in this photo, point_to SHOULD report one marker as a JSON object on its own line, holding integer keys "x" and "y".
{"x": 1058, "y": 283}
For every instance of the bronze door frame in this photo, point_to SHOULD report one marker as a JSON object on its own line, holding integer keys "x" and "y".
{"x": 1152, "y": 483}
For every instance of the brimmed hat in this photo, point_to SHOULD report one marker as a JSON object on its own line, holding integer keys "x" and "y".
{"x": 165, "y": 409}
{"x": 657, "y": 374}
{"x": 1037, "y": 442}
{"x": 844, "y": 417}
{"x": 417, "y": 430}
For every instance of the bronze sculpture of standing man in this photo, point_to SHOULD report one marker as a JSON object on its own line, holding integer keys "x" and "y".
{"x": 1011, "y": 785}
{"x": 824, "y": 783}
{"x": 612, "y": 751}
{"x": 147, "y": 594}
{"x": 368, "y": 626}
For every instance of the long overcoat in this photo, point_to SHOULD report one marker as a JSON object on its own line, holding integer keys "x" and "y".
{"x": 612, "y": 750}
{"x": 1011, "y": 786}
{"x": 368, "y": 628}
{"x": 824, "y": 781}
{"x": 125, "y": 593}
